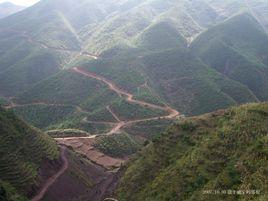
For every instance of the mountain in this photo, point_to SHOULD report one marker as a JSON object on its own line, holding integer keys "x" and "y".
{"x": 236, "y": 53}
{"x": 222, "y": 150}
{"x": 194, "y": 79}
{"x": 41, "y": 40}
{"x": 106, "y": 77}
{"x": 8, "y": 8}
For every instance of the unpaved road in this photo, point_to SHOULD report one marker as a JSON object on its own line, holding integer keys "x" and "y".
{"x": 113, "y": 114}
{"x": 172, "y": 113}
{"x": 15, "y": 105}
{"x": 120, "y": 92}
{"x": 54, "y": 178}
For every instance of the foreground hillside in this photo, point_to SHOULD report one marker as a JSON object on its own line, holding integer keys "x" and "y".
{"x": 224, "y": 150}
{"x": 31, "y": 166}
{"x": 22, "y": 151}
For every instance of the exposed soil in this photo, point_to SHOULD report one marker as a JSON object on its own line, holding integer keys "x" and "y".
{"x": 82, "y": 181}
{"x": 51, "y": 180}
{"x": 47, "y": 169}
{"x": 85, "y": 147}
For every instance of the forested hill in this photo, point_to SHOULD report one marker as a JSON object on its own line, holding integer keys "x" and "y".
{"x": 223, "y": 150}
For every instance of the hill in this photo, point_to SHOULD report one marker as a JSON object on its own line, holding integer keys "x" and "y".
{"x": 189, "y": 85}
{"x": 236, "y": 53}
{"x": 45, "y": 38}
{"x": 198, "y": 156}
{"x": 30, "y": 163}
{"x": 23, "y": 150}
{"x": 8, "y": 8}
{"x": 41, "y": 40}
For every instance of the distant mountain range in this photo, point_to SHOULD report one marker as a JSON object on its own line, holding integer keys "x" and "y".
{"x": 196, "y": 56}
{"x": 8, "y": 8}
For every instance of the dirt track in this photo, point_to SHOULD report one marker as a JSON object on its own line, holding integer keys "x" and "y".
{"x": 52, "y": 179}
{"x": 172, "y": 113}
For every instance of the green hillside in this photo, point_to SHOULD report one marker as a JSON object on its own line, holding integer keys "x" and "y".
{"x": 191, "y": 86}
{"x": 42, "y": 116}
{"x": 238, "y": 54}
{"x": 127, "y": 32}
{"x": 65, "y": 87}
{"x": 35, "y": 66}
{"x": 224, "y": 150}
{"x": 161, "y": 36}
{"x": 23, "y": 148}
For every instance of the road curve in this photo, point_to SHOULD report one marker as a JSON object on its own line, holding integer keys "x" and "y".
{"x": 130, "y": 97}
{"x": 53, "y": 178}
{"x": 172, "y": 113}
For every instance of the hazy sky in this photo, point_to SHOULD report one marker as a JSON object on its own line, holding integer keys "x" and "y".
{"x": 21, "y": 2}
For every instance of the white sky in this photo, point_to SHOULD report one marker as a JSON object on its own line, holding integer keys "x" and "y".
{"x": 21, "y": 2}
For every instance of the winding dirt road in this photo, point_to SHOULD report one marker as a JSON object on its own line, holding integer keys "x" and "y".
{"x": 54, "y": 178}
{"x": 172, "y": 113}
{"x": 120, "y": 92}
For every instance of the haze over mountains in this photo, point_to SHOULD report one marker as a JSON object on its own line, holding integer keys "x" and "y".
{"x": 8, "y": 8}
{"x": 116, "y": 73}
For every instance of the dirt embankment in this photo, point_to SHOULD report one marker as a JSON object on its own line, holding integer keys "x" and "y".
{"x": 52, "y": 179}
{"x": 83, "y": 180}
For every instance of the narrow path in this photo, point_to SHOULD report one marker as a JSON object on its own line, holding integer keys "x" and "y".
{"x": 54, "y": 178}
{"x": 72, "y": 138}
{"x": 14, "y": 105}
{"x": 110, "y": 199}
{"x": 113, "y": 114}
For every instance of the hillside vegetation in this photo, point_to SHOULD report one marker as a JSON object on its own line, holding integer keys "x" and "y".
{"x": 134, "y": 42}
{"x": 224, "y": 150}
{"x": 22, "y": 150}
{"x": 238, "y": 54}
